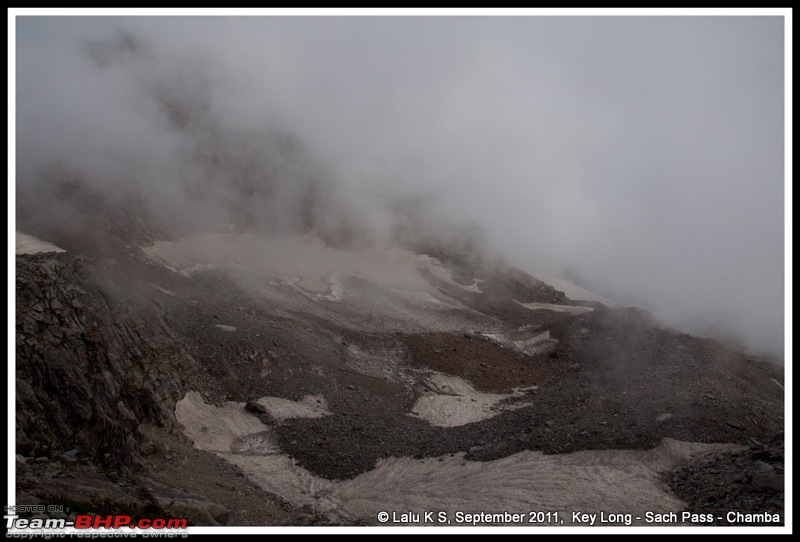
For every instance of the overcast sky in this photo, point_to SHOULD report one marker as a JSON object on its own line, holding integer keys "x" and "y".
{"x": 643, "y": 154}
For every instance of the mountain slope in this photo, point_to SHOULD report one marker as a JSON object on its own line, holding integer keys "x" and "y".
{"x": 329, "y": 362}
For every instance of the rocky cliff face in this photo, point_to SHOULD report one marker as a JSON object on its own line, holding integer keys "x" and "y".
{"x": 91, "y": 364}
{"x": 100, "y": 368}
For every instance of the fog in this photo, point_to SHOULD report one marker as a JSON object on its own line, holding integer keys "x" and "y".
{"x": 640, "y": 157}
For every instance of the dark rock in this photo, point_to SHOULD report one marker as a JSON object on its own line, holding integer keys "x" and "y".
{"x": 765, "y": 481}
{"x": 258, "y": 408}
{"x": 761, "y": 466}
{"x": 70, "y": 456}
{"x": 266, "y": 418}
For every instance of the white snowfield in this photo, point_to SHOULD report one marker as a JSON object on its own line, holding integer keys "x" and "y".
{"x": 376, "y": 289}
{"x": 314, "y": 265}
{"x": 307, "y": 263}
{"x": 28, "y": 244}
{"x": 594, "y": 482}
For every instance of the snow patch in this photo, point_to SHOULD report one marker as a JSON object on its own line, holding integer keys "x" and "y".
{"x": 450, "y": 401}
{"x": 474, "y": 288}
{"x": 28, "y": 244}
{"x": 525, "y": 341}
{"x": 230, "y": 427}
{"x": 571, "y": 309}
{"x": 591, "y": 481}
{"x": 574, "y": 291}
{"x": 163, "y": 290}
{"x": 436, "y": 268}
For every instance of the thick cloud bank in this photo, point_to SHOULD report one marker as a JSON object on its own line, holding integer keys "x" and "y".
{"x": 643, "y": 157}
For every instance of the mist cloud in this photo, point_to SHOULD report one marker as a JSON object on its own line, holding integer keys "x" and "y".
{"x": 642, "y": 154}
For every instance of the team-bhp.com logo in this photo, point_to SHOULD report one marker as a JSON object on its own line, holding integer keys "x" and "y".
{"x": 22, "y": 526}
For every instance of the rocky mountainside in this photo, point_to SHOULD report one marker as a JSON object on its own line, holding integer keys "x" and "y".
{"x": 159, "y": 381}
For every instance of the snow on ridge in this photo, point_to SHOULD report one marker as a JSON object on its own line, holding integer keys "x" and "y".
{"x": 28, "y": 244}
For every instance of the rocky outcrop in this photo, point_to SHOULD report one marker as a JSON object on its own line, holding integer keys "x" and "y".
{"x": 89, "y": 369}
{"x": 750, "y": 482}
